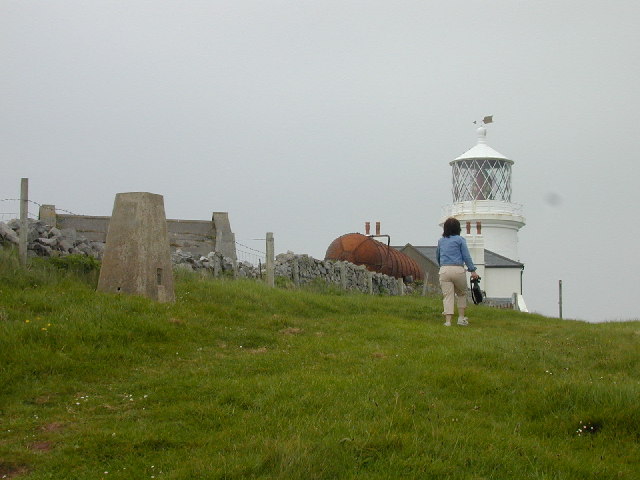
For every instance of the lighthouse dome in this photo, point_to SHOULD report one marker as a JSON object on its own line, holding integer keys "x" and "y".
{"x": 481, "y": 149}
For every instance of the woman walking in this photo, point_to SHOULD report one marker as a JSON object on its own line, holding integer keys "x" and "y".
{"x": 453, "y": 254}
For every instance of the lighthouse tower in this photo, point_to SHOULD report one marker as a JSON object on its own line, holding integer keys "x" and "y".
{"x": 481, "y": 188}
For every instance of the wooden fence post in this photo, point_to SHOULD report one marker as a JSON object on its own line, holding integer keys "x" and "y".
{"x": 560, "y": 298}
{"x": 343, "y": 275}
{"x": 425, "y": 285}
{"x": 216, "y": 266}
{"x": 24, "y": 222}
{"x": 296, "y": 271}
{"x": 271, "y": 280}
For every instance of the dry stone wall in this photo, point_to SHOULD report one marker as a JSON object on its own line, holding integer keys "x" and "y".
{"x": 215, "y": 263}
{"x": 303, "y": 269}
{"x": 47, "y": 241}
{"x": 299, "y": 269}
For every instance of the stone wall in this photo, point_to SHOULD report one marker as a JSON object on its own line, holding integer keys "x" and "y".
{"x": 214, "y": 263}
{"x": 299, "y": 269}
{"x": 303, "y": 269}
{"x": 46, "y": 241}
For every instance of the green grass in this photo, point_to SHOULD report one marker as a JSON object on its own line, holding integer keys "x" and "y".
{"x": 236, "y": 380}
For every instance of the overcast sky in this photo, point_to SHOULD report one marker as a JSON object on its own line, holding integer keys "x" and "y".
{"x": 308, "y": 118}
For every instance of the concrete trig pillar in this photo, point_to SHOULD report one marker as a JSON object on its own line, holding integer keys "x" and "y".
{"x": 137, "y": 259}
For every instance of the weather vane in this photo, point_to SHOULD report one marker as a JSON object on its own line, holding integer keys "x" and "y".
{"x": 485, "y": 120}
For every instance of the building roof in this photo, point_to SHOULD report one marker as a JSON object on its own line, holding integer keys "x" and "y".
{"x": 482, "y": 150}
{"x": 494, "y": 260}
{"x": 491, "y": 259}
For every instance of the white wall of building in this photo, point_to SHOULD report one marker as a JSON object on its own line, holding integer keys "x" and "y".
{"x": 501, "y": 282}
{"x": 501, "y": 239}
{"x": 500, "y": 223}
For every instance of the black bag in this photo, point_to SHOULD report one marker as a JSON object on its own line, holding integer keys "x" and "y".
{"x": 476, "y": 293}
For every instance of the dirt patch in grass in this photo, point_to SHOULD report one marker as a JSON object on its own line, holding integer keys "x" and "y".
{"x": 42, "y": 400}
{"x": 41, "y": 446}
{"x": 328, "y": 355}
{"x": 378, "y": 355}
{"x": 12, "y": 470}
{"x": 256, "y": 351}
{"x": 291, "y": 331}
{"x": 52, "y": 427}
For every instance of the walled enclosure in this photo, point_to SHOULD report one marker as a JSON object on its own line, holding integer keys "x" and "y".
{"x": 196, "y": 236}
{"x": 137, "y": 259}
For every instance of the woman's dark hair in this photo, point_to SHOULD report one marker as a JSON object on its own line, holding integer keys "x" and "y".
{"x": 451, "y": 227}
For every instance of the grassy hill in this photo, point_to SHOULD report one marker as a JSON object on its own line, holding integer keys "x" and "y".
{"x": 238, "y": 381}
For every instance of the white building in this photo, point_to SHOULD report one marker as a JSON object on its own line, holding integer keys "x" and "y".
{"x": 481, "y": 190}
{"x": 501, "y": 276}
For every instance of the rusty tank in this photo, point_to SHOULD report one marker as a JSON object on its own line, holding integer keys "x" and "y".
{"x": 374, "y": 255}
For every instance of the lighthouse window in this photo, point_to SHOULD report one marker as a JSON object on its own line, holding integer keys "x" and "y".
{"x": 482, "y": 179}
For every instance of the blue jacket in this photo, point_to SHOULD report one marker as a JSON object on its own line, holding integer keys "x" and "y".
{"x": 453, "y": 250}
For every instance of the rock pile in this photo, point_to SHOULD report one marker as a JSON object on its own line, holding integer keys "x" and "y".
{"x": 46, "y": 241}
{"x": 215, "y": 263}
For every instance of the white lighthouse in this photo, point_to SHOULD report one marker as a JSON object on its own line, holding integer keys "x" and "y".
{"x": 481, "y": 189}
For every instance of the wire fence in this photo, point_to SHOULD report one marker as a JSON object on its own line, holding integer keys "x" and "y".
{"x": 255, "y": 257}
{"x": 10, "y": 209}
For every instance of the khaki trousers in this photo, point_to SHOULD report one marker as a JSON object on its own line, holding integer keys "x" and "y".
{"x": 453, "y": 279}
